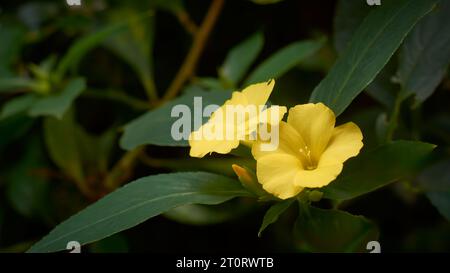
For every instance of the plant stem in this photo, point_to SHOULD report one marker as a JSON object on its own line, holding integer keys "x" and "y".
{"x": 416, "y": 113}
{"x": 186, "y": 21}
{"x": 191, "y": 60}
{"x": 393, "y": 122}
{"x": 123, "y": 169}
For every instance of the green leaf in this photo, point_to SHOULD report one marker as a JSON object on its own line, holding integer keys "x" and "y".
{"x": 56, "y": 105}
{"x": 273, "y": 213}
{"x": 62, "y": 146}
{"x": 435, "y": 181}
{"x": 372, "y": 170}
{"x": 13, "y": 84}
{"x": 94, "y": 150}
{"x": 135, "y": 45}
{"x": 240, "y": 58}
{"x": 210, "y": 83}
{"x": 348, "y": 16}
{"x": 12, "y": 38}
{"x": 83, "y": 45}
{"x": 26, "y": 191}
{"x": 284, "y": 60}
{"x": 155, "y": 126}
{"x": 425, "y": 54}
{"x": 319, "y": 230}
{"x": 371, "y": 47}
{"x": 17, "y": 105}
{"x": 137, "y": 202}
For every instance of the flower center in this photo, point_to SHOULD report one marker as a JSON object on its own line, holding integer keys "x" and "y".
{"x": 306, "y": 155}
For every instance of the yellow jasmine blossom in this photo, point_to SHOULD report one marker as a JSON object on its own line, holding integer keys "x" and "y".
{"x": 247, "y": 109}
{"x": 311, "y": 151}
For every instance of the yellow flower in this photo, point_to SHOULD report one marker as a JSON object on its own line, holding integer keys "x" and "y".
{"x": 221, "y": 133}
{"x": 311, "y": 151}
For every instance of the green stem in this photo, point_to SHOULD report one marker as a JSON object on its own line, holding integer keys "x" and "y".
{"x": 393, "y": 122}
{"x": 416, "y": 113}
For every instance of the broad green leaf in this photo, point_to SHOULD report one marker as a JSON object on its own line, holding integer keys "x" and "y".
{"x": 319, "y": 230}
{"x": 138, "y": 201}
{"x": 374, "y": 169}
{"x": 435, "y": 181}
{"x": 57, "y": 104}
{"x": 60, "y": 139}
{"x": 155, "y": 126}
{"x": 284, "y": 60}
{"x": 348, "y": 16}
{"x": 371, "y": 47}
{"x": 425, "y": 54}
{"x": 135, "y": 45}
{"x": 273, "y": 213}
{"x": 12, "y": 84}
{"x": 240, "y": 58}
{"x": 17, "y": 105}
{"x": 26, "y": 191}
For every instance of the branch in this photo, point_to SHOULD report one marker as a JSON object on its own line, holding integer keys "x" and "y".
{"x": 191, "y": 60}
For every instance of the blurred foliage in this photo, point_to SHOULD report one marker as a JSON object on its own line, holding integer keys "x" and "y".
{"x": 84, "y": 109}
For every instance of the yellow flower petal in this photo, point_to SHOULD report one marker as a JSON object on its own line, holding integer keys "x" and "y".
{"x": 315, "y": 123}
{"x": 289, "y": 142}
{"x": 237, "y": 117}
{"x": 203, "y": 141}
{"x": 258, "y": 93}
{"x": 276, "y": 172}
{"x": 345, "y": 143}
{"x": 319, "y": 177}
